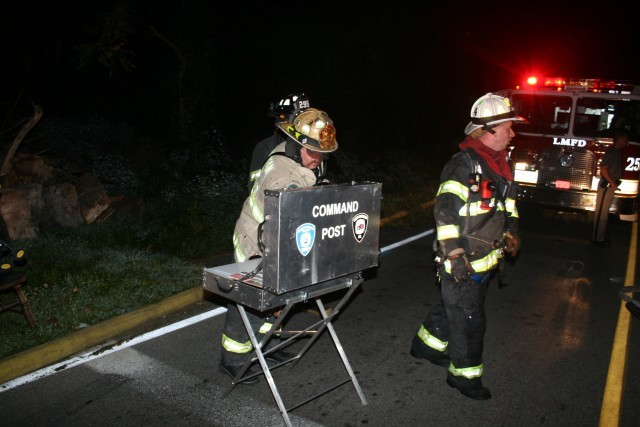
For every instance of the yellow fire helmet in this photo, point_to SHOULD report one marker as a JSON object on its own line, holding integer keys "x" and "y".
{"x": 312, "y": 129}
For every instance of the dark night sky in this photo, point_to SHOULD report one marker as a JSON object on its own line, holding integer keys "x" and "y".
{"x": 390, "y": 74}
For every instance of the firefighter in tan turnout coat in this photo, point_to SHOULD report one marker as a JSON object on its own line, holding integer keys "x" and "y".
{"x": 294, "y": 163}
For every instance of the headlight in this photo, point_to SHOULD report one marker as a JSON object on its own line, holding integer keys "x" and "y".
{"x": 521, "y": 166}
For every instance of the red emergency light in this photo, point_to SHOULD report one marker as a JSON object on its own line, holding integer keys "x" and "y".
{"x": 533, "y": 82}
{"x": 589, "y": 85}
{"x": 555, "y": 82}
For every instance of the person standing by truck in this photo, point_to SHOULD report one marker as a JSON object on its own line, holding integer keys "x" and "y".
{"x": 610, "y": 174}
{"x": 476, "y": 223}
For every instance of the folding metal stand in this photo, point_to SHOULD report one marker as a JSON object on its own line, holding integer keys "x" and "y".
{"x": 315, "y": 240}
{"x": 314, "y": 330}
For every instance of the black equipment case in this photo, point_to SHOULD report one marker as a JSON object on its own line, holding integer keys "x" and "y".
{"x": 315, "y": 240}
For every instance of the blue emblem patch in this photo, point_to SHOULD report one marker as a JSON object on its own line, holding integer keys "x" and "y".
{"x": 305, "y": 235}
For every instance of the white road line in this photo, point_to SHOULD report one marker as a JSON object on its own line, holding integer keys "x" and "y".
{"x": 407, "y": 240}
{"x": 88, "y": 356}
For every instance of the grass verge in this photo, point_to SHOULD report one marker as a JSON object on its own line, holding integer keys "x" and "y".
{"x": 74, "y": 282}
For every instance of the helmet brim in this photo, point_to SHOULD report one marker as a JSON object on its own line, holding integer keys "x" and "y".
{"x": 304, "y": 140}
{"x": 473, "y": 126}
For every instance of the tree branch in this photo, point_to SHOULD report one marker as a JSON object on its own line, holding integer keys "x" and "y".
{"x": 37, "y": 115}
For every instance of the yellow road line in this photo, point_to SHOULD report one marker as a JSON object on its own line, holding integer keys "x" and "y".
{"x": 612, "y": 400}
{"x": 50, "y": 352}
{"x": 402, "y": 214}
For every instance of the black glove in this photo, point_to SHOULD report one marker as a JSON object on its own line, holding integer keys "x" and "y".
{"x": 461, "y": 269}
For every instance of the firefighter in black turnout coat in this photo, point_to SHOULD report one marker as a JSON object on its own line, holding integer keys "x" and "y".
{"x": 476, "y": 223}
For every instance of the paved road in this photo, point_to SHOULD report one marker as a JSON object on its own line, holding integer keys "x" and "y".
{"x": 547, "y": 353}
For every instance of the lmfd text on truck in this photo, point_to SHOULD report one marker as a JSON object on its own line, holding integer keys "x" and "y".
{"x": 557, "y": 154}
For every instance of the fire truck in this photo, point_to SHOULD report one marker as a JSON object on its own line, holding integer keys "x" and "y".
{"x": 557, "y": 154}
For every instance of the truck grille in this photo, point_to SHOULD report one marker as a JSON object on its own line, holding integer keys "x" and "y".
{"x": 575, "y": 166}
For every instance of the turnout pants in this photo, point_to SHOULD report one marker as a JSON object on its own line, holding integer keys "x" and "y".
{"x": 458, "y": 322}
{"x": 236, "y": 345}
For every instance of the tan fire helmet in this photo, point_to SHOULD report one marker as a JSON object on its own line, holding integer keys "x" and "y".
{"x": 312, "y": 129}
{"x": 490, "y": 110}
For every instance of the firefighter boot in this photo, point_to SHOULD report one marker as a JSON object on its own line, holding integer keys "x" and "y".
{"x": 469, "y": 387}
{"x": 421, "y": 351}
{"x": 280, "y": 356}
{"x": 233, "y": 370}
